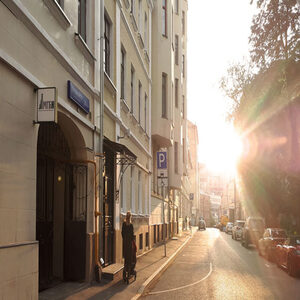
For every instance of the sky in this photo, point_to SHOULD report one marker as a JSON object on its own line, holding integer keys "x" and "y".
{"x": 218, "y": 34}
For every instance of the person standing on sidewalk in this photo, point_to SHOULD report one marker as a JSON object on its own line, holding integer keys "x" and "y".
{"x": 129, "y": 248}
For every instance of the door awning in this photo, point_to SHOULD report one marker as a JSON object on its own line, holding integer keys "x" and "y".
{"x": 124, "y": 155}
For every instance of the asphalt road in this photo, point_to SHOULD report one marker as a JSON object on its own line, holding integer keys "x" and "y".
{"x": 213, "y": 266}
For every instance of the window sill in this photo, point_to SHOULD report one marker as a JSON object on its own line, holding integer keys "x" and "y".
{"x": 109, "y": 84}
{"x": 58, "y": 13}
{"x": 141, "y": 129}
{"x": 134, "y": 118}
{"x": 141, "y": 42}
{"x": 146, "y": 56}
{"x": 83, "y": 47}
{"x": 125, "y": 106}
{"x": 126, "y": 3}
{"x": 133, "y": 22}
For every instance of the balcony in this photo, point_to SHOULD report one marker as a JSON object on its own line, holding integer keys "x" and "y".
{"x": 162, "y": 132}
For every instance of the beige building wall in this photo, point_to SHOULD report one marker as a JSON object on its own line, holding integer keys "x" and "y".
{"x": 39, "y": 47}
{"x": 127, "y": 119}
{"x": 169, "y": 127}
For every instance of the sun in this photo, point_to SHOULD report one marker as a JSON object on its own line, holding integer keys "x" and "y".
{"x": 222, "y": 150}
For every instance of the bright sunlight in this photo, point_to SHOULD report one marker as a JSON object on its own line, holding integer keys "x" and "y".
{"x": 222, "y": 153}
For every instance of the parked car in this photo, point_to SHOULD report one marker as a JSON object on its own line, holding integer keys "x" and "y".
{"x": 237, "y": 229}
{"x": 287, "y": 255}
{"x": 252, "y": 231}
{"x": 271, "y": 238}
{"x": 201, "y": 224}
{"x": 228, "y": 228}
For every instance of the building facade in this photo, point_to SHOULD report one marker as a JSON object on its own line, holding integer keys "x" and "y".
{"x": 115, "y": 72}
{"x": 49, "y": 172}
{"x": 169, "y": 128}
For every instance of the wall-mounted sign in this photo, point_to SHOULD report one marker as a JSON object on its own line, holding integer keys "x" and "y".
{"x": 162, "y": 160}
{"x": 47, "y": 105}
{"x": 78, "y": 97}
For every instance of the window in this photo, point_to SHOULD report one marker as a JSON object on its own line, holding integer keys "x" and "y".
{"x": 176, "y": 92}
{"x": 139, "y": 193}
{"x": 123, "y": 73}
{"x": 82, "y": 18}
{"x": 146, "y": 194}
{"x": 182, "y": 106}
{"x": 176, "y": 157}
{"x": 176, "y": 49}
{"x": 183, "y": 22}
{"x": 145, "y": 111}
{"x": 183, "y": 66}
{"x": 164, "y": 17}
{"x": 176, "y": 6}
{"x": 123, "y": 192}
{"x": 132, "y": 88}
{"x": 141, "y": 241}
{"x": 164, "y": 96}
{"x": 132, "y": 185}
{"x": 132, "y": 9}
{"x": 183, "y": 149}
{"x": 106, "y": 45}
{"x": 140, "y": 16}
{"x": 147, "y": 239}
{"x": 145, "y": 31}
{"x": 140, "y": 100}
{"x": 60, "y": 3}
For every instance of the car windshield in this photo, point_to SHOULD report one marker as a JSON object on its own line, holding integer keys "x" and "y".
{"x": 257, "y": 224}
{"x": 278, "y": 233}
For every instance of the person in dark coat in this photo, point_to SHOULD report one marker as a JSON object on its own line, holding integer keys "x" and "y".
{"x": 129, "y": 249}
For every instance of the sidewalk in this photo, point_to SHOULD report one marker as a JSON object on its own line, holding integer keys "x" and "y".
{"x": 149, "y": 266}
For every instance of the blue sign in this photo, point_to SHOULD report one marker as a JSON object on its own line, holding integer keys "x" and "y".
{"x": 78, "y": 97}
{"x": 161, "y": 160}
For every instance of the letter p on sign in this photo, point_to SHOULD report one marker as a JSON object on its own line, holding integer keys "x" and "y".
{"x": 162, "y": 160}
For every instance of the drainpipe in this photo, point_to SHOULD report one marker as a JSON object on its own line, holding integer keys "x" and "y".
{"x": 101, "y": 162}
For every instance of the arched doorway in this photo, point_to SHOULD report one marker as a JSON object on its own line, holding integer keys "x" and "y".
{"x": 61, "y": 199}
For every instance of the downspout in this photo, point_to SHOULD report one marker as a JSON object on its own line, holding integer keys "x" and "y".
{"x": 101, "y": 162}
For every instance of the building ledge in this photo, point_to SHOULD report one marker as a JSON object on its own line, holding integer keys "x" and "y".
{"x": 141, "y": 41}
{"x": 109, "y": 84}
{"x": 126, "y": 3}
{"x": 125, "y": 106}
{"x": 133, "y": 22}
{"x": 58, "y": 13}
{"x": 83, "y": 47}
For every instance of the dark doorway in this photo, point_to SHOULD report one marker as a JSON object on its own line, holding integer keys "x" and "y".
{"x": 60, "y": 229}
{"x": 108, "y": 206}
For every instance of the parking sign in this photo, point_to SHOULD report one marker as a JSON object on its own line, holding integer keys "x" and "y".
{"x": 161, "y": 160}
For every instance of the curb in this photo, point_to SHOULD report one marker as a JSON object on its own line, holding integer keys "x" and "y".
{"x": 160, "y": 270}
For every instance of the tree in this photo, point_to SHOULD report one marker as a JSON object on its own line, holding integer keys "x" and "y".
{"x": 275, "y": 32}
{"x": 239, "y": 76}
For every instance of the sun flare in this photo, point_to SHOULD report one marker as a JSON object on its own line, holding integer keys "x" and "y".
{"x": 222, "y": 150}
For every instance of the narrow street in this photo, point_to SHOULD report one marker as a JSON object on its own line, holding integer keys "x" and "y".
{"x": 213, "y": 266}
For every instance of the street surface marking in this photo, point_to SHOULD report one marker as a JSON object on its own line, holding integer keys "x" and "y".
{"x": 184, "y": 286}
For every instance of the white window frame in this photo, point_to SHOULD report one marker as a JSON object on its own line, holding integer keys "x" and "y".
{"x": 140, "y": 208}
{"x": 123, "y": 192}
{"x": 132, "y": 87}
{"x": 132, "y": 190}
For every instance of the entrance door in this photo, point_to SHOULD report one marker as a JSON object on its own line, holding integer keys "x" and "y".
{"x": 61, "y": 201}
{"x": 75, "y": 223}
{"x": 44, "y": 220}
{"x": 108, "y": 207}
